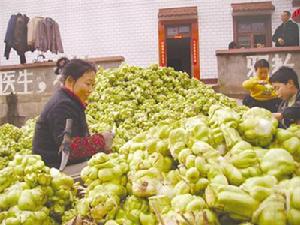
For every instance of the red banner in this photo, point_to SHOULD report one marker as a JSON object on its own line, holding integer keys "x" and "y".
{"x": 296, "y": 15}
{"x": 195, "y": 52}
{"x": 162, "y": 53}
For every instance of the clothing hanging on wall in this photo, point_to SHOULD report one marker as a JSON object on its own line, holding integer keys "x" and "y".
{"x": 38, "y": 33}
{"x": 32, "y": 27}
{"x": 16, "y": 36}
{"x": 47, "y": 36}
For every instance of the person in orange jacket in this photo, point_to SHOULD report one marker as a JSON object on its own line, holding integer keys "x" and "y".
{"x": 261, "y": 91}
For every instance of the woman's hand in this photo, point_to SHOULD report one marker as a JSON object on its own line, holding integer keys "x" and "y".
{"x": 277, "y": 116}
{"x": 108, "y": 140}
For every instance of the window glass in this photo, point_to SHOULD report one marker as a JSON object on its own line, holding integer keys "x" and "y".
{"x": 184, "y": 29}
{"x": 172, "y": 30}
{"x": 258, "y": 27}
{"x": 244, "y": 27}
{"x": 244, "y": 41}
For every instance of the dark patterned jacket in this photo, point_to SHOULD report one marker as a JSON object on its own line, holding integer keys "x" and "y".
{"x": 49, "y": 130}
{"x": 291, "y": 114}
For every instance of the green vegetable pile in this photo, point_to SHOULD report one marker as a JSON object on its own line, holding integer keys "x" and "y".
{"x": 289, "y": 139}
{"x": 136, "y": 99}
{"x": 183, "y": 155}
{"x": 31, "y": 193}
{"x": 14, "y": 140}
{"x": 9, "y": 137}
{"x": 199, "y": 170}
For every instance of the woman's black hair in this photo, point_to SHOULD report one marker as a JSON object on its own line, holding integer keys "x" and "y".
{"x": 262, "y": 63}
{"x": 74, "y": 68}
{"x": 283, "y": 75}
{"x": 60, "y": 63}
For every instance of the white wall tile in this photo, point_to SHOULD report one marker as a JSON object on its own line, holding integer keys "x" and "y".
{"x": 128, "y": 27}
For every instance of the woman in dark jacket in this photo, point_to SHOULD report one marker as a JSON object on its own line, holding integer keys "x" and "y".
{"x": 69, "y": 102}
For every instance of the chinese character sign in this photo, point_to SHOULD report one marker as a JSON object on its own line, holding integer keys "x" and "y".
{"x": 251, "y": 60}
{"x": 7, "y": 82}
{"x": 162, "y": 53}
{"x": 19, "y": 83}
{"x": 24, "y": 80}
{"x": 278, "y": 62}
{"x": 275, "y": 62}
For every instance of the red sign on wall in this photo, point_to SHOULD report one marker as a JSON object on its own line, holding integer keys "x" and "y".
{"x": 296, "y": 15}
{"x": 195, "y": 52}
{"x": 162, "y": 53}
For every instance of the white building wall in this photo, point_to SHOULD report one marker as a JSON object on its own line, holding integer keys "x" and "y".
{"x": 93, "y": 28}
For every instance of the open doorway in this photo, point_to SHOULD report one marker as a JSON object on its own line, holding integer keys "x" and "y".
{"x": 178, "y": 39}
{"x": 179, "y": 54}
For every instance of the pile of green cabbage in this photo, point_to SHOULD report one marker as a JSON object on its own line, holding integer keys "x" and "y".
{"x": 136, "y": 99}
{"x": 14, "y": 140}
{"x": 184, "y": 155}
{"x": 9, "y": 137}
{"x": 31, "y": 193}
{"x": 199, "y": 170}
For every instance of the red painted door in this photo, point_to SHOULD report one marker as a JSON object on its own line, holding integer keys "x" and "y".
{"x": 166, "y": 38}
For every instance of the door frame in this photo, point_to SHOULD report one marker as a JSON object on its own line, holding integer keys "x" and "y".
{"x": 195, "y": 64}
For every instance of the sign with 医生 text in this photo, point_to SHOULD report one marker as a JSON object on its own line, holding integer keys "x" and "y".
{"x": 21, "y": 82}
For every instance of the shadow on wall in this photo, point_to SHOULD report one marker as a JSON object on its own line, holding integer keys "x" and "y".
{"x": 12, "y": 115}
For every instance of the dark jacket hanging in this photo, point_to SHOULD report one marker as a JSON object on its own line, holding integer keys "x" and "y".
{"x": 16, "y": 36}
{"x": 9, "y": 36}
{"x": 43, "y": 34}
{"x": 20, "y": 36}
